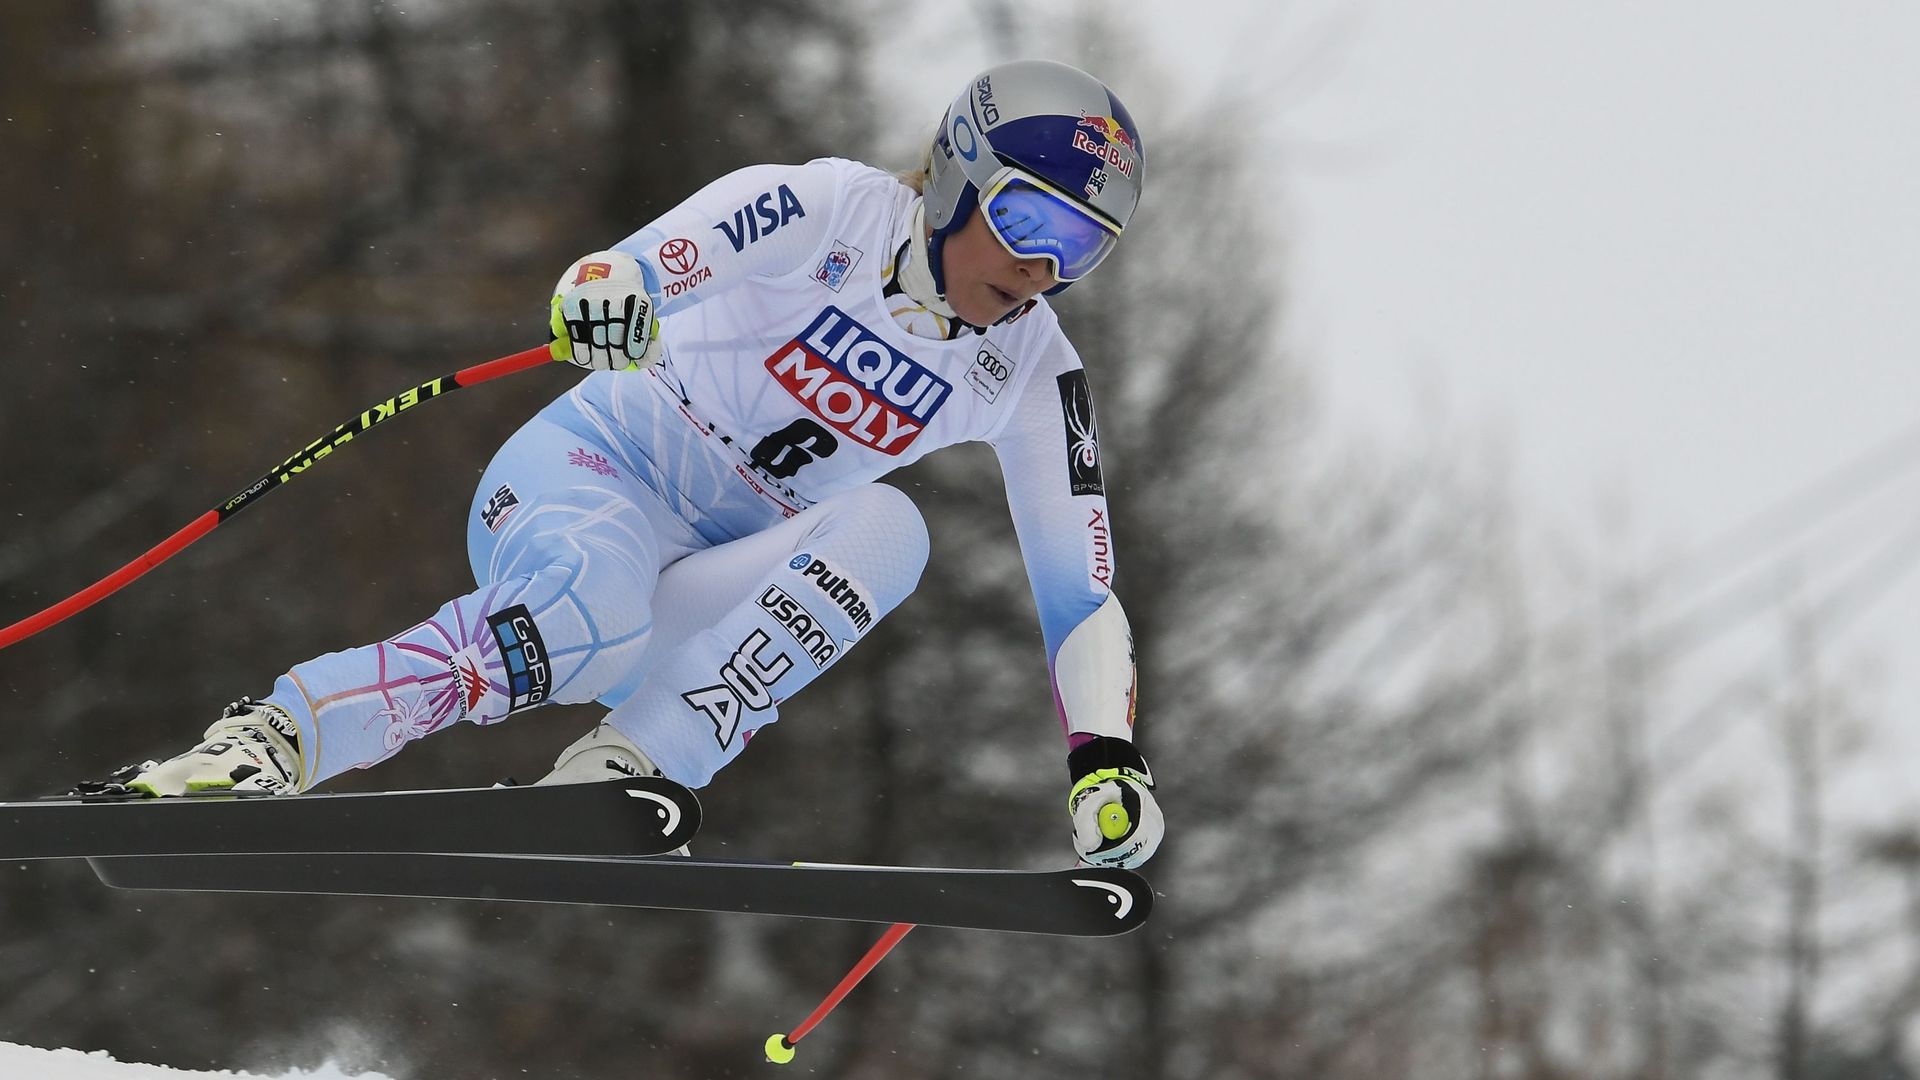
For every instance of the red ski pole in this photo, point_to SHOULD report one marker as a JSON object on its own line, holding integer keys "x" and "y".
{"x": 780, "y": 1047}
{"x": 307, "y": 457}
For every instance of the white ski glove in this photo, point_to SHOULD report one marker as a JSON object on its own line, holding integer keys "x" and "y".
{"x": 603, "y": 313}
{"x": 1116, "y": 821}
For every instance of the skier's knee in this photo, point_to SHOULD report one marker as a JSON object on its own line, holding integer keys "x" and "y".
{"x": 593, "y": 612}
{"x": 892, "y": 538}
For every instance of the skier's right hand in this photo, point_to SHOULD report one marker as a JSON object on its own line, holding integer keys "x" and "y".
{"x": 603, "y": 313}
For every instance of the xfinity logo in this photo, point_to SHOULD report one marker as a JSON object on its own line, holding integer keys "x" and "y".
{"x": 1100, "y": 549}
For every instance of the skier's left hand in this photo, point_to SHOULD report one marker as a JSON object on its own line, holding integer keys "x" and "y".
{"x": 1116, "y": 821}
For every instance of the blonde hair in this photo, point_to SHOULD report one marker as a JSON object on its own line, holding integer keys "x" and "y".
{"x": 917, "y": 178}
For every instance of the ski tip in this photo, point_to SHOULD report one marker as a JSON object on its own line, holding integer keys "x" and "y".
{"x": 665, "y": 806}
{"x": 779, "y": 1050}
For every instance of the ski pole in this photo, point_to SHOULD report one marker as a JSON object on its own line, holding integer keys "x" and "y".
{"x": 780, "y": 1047}
{"x": 301, "y": 461}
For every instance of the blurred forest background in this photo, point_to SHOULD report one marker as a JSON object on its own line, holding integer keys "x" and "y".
{"x": 1432, "y": 814}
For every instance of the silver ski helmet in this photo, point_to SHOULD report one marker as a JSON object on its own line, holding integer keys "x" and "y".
{"x": 1050, "y": 152}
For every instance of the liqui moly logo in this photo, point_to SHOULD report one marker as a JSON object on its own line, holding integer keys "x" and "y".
{"x": 865, "y": 388}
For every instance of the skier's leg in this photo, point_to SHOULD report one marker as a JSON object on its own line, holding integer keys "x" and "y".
{"x": 569, "y": 557}
{"x": 567, "y": 547}
{"x": 744, "y": 625}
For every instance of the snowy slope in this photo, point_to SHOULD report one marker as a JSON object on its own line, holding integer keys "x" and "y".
{"x": 23, "y": 1062}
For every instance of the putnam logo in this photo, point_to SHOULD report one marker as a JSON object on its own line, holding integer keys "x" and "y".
{"x": 846, "y": 594}
{"x": 866, "y": 389}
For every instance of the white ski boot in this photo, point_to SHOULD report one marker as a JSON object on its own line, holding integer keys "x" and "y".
{"x": 602, "y": 754}
{"x": 253, "y": 749}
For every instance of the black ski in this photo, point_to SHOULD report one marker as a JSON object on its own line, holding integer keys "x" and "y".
{"x": 635, "y": 816}
{"x": 1086, "y": 902}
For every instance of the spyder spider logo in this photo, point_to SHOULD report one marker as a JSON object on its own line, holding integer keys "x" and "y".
{"x": 1083, "y": 443}
{"x": 1083, "y": 439}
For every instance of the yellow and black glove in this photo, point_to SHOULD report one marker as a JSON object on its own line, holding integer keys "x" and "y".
{"x": 1116, "y": 821}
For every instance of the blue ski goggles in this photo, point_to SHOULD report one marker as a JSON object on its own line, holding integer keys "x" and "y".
{"x": 1034, "y": 220}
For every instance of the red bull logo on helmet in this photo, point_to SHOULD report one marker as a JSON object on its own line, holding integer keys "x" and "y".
{"x": 860, "y": 385}
{"x": 1115, "y": 146}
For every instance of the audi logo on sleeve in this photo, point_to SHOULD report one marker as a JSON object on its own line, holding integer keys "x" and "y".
{"x": 858, "y": 384}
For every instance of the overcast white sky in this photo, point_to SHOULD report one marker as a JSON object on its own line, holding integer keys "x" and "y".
{"x": 1670, "y": 254}
{"x": 1671, "y": 245}
{"x": 1665, "y": 255}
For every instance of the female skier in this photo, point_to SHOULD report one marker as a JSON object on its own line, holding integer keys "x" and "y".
{"x": 694, "y": 532}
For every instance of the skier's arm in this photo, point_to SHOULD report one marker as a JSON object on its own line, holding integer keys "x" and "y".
{"x": 760, "y": 221}
{"x": 1049, "y": 456}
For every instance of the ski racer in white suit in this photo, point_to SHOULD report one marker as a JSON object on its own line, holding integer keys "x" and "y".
{"x": 695, "y": 531}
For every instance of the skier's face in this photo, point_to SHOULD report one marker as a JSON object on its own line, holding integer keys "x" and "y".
{"x": 985, "y": 281}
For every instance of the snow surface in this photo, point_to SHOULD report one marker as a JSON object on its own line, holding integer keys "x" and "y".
{"x": 25, "y": 1061}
